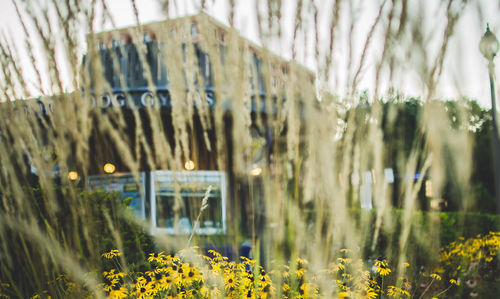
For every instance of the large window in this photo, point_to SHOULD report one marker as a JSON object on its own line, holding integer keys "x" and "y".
{"x": 177, "y": 200}
{"x": 126, "y": 186}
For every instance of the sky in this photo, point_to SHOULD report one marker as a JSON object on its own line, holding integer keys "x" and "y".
{"x": 464, "y": 73}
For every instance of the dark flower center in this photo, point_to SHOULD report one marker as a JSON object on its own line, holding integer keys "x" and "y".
{"x": 266, "y": 289}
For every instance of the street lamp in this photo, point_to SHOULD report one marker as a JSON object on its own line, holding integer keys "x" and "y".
{"x": 489, "y": 47}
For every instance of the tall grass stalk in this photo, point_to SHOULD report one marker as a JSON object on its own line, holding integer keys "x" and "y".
{"x": 327, "y": 142}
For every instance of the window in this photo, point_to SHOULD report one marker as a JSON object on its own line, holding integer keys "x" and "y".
{"x": 177, "y": 198}
{"x": 194, "y": 32}
{"x": 208, "y": 80}
{"x": 126, "y": 186}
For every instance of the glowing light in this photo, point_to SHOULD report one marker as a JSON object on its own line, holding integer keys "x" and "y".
{"x": 109, "y": 168}
{"x": 189, "y": 165}
{"x": 256, "y": 171}
{"x": 73, "y": 175}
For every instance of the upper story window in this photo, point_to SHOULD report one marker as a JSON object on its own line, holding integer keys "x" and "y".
{"x": 194, "y": 31}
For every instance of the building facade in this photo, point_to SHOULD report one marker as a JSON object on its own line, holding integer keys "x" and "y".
{"x": 202, "y": 81}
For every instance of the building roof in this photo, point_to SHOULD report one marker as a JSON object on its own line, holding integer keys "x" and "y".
{"x": 202, "y": 29}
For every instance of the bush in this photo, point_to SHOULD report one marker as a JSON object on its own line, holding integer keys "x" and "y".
{"x": 445, "y": 227}
{"x": 468, "y": 267}
{"x": 68, "y": 239}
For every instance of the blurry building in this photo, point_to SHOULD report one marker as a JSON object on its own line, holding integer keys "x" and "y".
{"x": 137, "y": 76}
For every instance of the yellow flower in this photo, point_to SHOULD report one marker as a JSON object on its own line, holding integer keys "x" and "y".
{"x": 307, "y": 290}
{"x": 300, "y": 272}
{"x": 286, "y": 288}
{"x": 342, "y": 285}
{"x": 118, "y": 293}
{"x": 265, "y": 291}
{"x": 301, "y": 263}
{"x": 112, "y": 275}
{"x": 406, "y": 265}
{"x": 191, "y": 275}
{"x": 111, "y": 254}
{"x": 435, "y": 276}
{"x": 218, "y": 258}
{"x": 110, "y": 285}
{"x": 382, "y": 268}
{"x": 391, "y": 291}
{"x": 164, "y": 281}
{"x": 455, "y": 282}
{"x": 140, "y": 281}
{"x": 159, "y": 258}
{"x": 369, "y": 293}
{"x": 340, "y": 267}
{"x": 380, "y": 261}
{"x": 142, "y": 291}
{"x": 372, "y": 284}
{"x": 230, "y": 282}
{"x": 394, "y": 291}
{"x": 247, "y": 261}
{"x": 154, "y": 287}
{"x": 405, "y": 284}
{"x": 191, "y": 293}
{"x": 106, "y": 273}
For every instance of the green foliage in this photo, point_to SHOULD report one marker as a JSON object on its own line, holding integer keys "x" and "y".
{"x": 463, "y": 269}
{"x": 84, "y": 226}
{"x": 467, "y": 225}
{"x": 449, "y": 226}
{"x": 473, "y": 261}
{"x": 404, "y": 133}
{"x": 115, "y": 220}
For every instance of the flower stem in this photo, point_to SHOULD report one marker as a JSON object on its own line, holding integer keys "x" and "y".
{"x": 426, "y": 289}
{"x": 437, "y": 295}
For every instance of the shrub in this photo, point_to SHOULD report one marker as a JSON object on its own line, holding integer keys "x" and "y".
{"x": 70, "y": 239}
{"x": 466, "y": 268}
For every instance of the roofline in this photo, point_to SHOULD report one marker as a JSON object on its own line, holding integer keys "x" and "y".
{"x": 214, "y": 21}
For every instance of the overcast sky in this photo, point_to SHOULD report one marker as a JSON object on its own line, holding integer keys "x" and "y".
{"x": 464, "y": 73}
